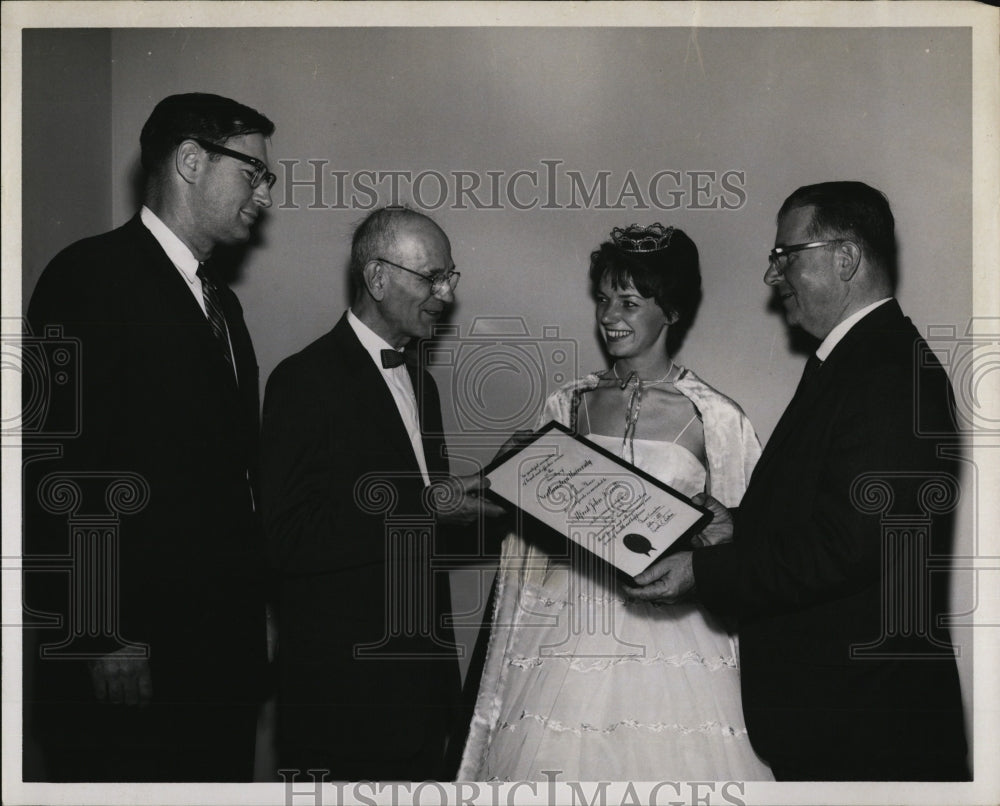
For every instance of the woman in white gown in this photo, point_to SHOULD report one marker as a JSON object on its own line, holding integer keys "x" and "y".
{"x": 580, "y": 681}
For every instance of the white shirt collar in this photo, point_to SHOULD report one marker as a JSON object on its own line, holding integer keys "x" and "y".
{"x": 373, "y": 343}
{"x": 182, "y": 257}
{"x": 834, "y": 336}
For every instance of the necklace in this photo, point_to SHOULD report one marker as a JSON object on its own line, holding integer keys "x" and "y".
{"x": 634, "y": 404}
{"x": 623, "y": 382}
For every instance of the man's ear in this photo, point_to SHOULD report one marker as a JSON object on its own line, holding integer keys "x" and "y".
{"x": 375, "y": 279}
{"x": 848, "y": 259}
{"x": 189, "y": 159}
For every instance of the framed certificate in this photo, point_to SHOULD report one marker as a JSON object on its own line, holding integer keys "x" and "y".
{"x": 614, "y": 510}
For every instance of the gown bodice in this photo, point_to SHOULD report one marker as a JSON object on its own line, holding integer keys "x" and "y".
{"x": 668, "y": 462}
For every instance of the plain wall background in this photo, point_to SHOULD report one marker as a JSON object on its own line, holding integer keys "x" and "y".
{"x": 66, "y": 126}
{"x": 784, "y": 106}
{"x": 787, "y": 107}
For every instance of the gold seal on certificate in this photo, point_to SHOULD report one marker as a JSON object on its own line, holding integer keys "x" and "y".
{"x": 612, "y": 509}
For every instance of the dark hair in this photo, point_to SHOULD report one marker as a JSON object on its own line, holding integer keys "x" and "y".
{"x": 196, "y": 114}
{"x": 671, "y": 276}
{"x": 851, "y": 210}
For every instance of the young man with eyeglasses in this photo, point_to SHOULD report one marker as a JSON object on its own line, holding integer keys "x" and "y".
{"x": 355, "y": 484}
{"x": 163, "y": 656}
{"x": 835, "y": 562}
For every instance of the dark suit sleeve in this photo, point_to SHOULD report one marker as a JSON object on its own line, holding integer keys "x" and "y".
{"x": 74, "y": 296}
{"x": 311, "y": 521}
{"x": 826, "y": 547}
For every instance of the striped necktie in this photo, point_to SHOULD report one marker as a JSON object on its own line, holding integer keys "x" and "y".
{"x": 213, "y": 310}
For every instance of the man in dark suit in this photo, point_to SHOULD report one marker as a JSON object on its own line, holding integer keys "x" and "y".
{"x": 164, "y": 684}
{"x": 354, "y": 481}
{"x": 847, "y": 671}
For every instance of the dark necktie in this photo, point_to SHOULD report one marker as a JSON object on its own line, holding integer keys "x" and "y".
{"x": 392, "y": 359}
{"x": 213, "y": 309}
{"x": 809, "y": 375}
{"x": 793, "y": 411}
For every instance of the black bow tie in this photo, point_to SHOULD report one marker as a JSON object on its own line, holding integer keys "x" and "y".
{"x": 392, "y": 358}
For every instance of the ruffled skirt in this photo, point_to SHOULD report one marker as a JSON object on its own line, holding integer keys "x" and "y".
{"x": 593, "y": 687}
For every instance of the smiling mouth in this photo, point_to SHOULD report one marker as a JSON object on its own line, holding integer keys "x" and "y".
{"x": 616, "y": 335}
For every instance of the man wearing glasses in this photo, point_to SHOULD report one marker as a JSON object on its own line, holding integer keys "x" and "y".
{"x": 163, "y": 657}
{"x": 355, "y": 485}
{"x": 847, "y": 670}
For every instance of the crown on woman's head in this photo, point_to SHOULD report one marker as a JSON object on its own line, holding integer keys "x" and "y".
{"x": 635, "y": 238}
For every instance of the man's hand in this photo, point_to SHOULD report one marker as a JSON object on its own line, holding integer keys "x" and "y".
{"x": 458, "y": 500}
{"x": 667, "y": 580}
{"x": 519, "y": 439}
{"x": 720, "y": 530}
{"x": 122, "y": 679}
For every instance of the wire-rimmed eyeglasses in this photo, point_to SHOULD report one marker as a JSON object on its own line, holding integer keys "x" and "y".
{"x": 439, "y": 280}
{"x": 260, "y": 172}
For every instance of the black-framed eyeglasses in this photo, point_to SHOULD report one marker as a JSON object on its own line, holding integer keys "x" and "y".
{"x": 260, "y": 172}
{"x": 778, "y": 258}
{"x": 439, "y": 280}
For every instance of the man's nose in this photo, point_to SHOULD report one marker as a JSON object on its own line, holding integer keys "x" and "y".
{"x": 773, "y": 275}
{"x": 262, "y": 195}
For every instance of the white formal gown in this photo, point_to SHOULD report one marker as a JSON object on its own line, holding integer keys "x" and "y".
{"x": 582, "y": 683}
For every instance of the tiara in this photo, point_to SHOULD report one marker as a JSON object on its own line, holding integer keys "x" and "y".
{"x": 642, "y": 239}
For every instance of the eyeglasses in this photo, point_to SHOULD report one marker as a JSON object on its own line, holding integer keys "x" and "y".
{"x": 260, "y": 172}
{"x": 778, "y": 258}
{"x": 439, "y": 280}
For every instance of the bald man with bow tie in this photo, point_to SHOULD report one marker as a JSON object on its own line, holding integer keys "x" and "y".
{"x": 355, "y": 480}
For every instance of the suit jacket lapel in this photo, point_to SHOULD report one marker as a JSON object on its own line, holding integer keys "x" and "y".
{"x": 888, "y": 316}
{"x": 799, "y": 410}
{"x": 368, "y": 385}
{"x": 176, "y": 297}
